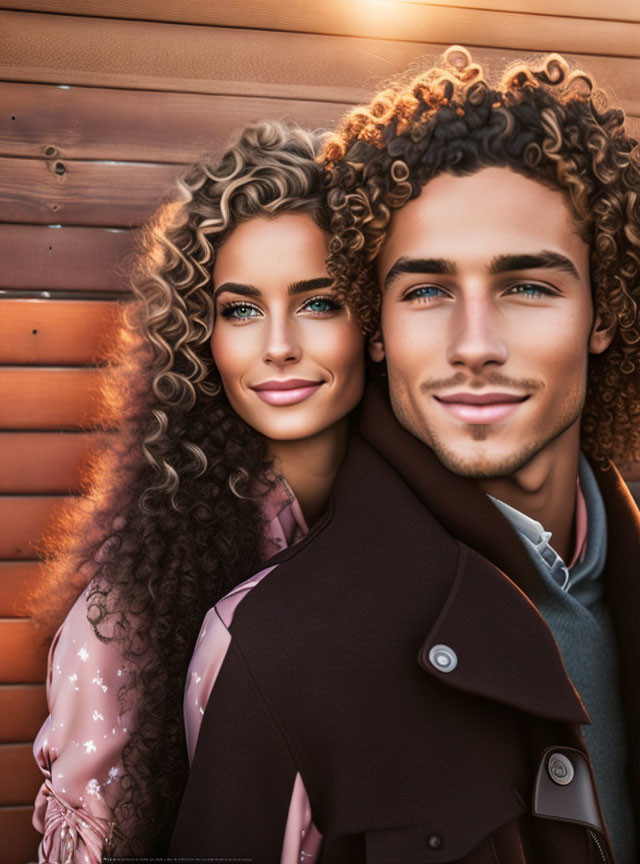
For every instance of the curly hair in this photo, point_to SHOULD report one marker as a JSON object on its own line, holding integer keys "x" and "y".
{"x": 542, "y": 120}
{"x": 171, "y": 517}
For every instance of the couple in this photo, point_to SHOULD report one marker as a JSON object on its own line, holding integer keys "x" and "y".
{"x": 439, "y": 660}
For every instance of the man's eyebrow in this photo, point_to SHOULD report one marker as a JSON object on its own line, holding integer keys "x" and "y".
{"x": 419, "y": 265}
{"x": 544, "y": 260}
{"x": 309, "y": 285}
{"x": 236, "y": 288}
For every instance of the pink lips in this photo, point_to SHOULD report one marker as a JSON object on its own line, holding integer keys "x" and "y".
{"x": 481, "y": 407}
{"x": 287, "y": 392}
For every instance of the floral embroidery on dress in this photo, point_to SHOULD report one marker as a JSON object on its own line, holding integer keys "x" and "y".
{"x": 80, "y": 744}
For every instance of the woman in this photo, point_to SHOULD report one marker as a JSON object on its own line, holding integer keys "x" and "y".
{"x": 191, "y": 498}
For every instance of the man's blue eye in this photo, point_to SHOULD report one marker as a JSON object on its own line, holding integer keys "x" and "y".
{"x": 424, "y": 291}
{"x": 530, "y": 290}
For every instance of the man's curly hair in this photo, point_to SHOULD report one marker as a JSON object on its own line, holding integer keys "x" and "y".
{"x": 541, "y": 120}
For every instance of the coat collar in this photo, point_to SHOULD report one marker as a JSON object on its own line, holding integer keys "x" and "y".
{"x": 518, "y": 662}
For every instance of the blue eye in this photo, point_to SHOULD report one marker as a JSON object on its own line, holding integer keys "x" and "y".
{"x": 423, "y": 292}
{"x": 530, "y": 289}
{"x": 320, "y": 305}
{"x": 240, "y": 311}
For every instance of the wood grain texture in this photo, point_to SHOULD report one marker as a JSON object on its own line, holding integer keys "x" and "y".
{"x": 48, "y": 398}
{"x": 394, "y": 18}
{"x": 17, "y": 763}
{"x": 110, "y": 53}
{"x": 87, "y": 193}
{"x": 24, "y": 520}
{"x": 18, "y": 579}
{"x": 40, "y": 258}
{"x": 23, "y": 656}
{"x": 94, "y": 123}
{"x": 56, "y": 332}
{"x": 201, "y": 11}
{"x": 19, "y": 837}
{"x": 46, "y": 462}
{"x": 23, "y": 709}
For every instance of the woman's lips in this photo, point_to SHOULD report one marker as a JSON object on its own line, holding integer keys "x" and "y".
{"x": 481, "y": 408}
{"x": 286, "y": 392}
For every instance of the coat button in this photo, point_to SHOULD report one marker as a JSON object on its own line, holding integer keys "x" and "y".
{"x": 443, "y": 658}
{"x": 560, "y": 769}
{"x": 434, "y": 842}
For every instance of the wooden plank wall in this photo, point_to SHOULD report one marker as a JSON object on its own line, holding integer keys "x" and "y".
{"x": 102, "y": 104}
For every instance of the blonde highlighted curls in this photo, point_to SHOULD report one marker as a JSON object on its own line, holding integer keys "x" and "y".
{"x": 541, "y": 119}
{"x": 171, "y": 517}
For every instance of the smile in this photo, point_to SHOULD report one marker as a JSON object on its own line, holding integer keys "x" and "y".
{"x": 481, "y": 407}
{"x": 288, "y": 392}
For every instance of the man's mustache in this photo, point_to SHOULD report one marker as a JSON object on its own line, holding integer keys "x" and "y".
{"x": 477, "y": 382}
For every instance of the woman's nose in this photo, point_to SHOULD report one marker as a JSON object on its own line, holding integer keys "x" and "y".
{"x": 281, "y": 344}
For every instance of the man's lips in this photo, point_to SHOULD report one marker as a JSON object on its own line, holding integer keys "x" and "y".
{"x": 286, "y": 392}
{"x": 481, "y": 407}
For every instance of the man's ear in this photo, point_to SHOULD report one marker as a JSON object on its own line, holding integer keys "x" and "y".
{"x": 375, "y": 344}
{"x": 603, "y": 330}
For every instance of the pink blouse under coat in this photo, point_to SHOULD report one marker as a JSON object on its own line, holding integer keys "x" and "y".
{"x": 79, "y": 746}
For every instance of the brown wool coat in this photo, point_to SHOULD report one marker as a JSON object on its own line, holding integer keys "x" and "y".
{"x": 328, "y": 674}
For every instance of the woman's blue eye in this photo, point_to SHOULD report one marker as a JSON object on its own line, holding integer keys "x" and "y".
{"x": 320, "y": 304}
{"x": 240, "y": 311}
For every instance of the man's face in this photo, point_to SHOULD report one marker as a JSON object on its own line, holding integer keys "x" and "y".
{"x": 487, "y": 319}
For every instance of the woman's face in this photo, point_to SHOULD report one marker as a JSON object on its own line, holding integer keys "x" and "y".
{"x": 290, "y": 356}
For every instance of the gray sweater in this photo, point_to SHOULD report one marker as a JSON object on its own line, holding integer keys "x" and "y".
{"x": 572, "y": 603}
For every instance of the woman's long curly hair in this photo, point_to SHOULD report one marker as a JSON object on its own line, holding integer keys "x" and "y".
{"x": 171, "y": 518}
{"x": 541, "y": 120}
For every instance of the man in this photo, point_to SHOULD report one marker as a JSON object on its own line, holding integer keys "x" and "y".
{"x": 427, "y": 677}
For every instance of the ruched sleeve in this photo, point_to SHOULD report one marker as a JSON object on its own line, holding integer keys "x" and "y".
{"x": 79, "y": 747}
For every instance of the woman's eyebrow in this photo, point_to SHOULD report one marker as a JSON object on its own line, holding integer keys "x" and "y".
{"x": 309, "y": 285}
{"x": 237, "y": 288}
{"x": 544, "y": 260}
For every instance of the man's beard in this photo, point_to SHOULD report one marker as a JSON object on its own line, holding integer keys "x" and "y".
{"x": 485, "y": 467}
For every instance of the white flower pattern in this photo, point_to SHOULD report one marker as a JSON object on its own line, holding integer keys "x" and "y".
{"x": 79, "y": 747}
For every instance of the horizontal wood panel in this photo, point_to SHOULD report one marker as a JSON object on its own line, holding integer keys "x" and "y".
{"x": 45, "y": 462}
{"x": 23, "y": 654}
{"x": 18, "y": 765}
{"x": 23, "y": 710}
{"x": 56, "y": 332}
{"x": 19, "y": 838}
{"x": 111, "y": 53}
{"x": 92, "y": 123}
{"x": 399, "y": 20}
{"x": 203, "y": 12}
{"x": 18, "y": 580}
{"x": 48, "y": 398}
{"x": 88, "y": 193}
{"x": 41, "y": 257}
{"x": 23, "y": 519}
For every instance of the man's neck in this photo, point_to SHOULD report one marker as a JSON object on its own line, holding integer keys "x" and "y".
{"x": 545, "y": 489}
{"x": 310, "y": 466}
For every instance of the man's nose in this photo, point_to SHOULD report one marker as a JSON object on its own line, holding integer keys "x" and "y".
{"x": 476, "y": 340}
{"x": 281, "y": 343}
